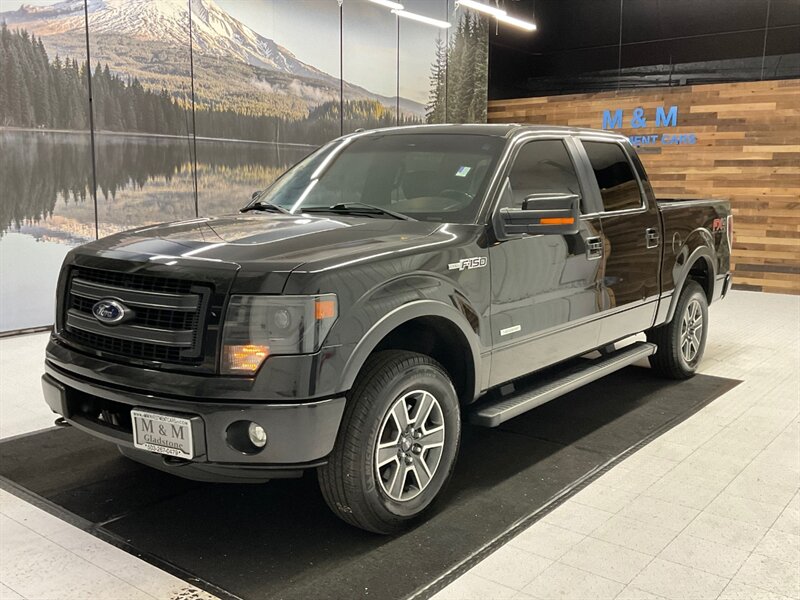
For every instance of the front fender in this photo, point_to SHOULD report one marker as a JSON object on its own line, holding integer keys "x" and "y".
{"x": 403, "y": 314}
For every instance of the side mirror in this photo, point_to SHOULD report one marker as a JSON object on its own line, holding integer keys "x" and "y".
{"x": 558, "y": 214}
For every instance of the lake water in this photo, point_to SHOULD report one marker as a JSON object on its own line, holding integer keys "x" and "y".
{"x": 46, "y": 205}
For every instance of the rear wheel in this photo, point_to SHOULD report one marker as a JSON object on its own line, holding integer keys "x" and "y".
{"x": 682, "y": 341}
{"x": 397, "y": 443}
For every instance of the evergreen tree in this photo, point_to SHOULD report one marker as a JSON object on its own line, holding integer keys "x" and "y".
{"x": 435, "y": 110}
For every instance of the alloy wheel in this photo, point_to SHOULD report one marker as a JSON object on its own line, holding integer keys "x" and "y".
{"x": 409, "y": 445}
{"x": 691, "y": 331}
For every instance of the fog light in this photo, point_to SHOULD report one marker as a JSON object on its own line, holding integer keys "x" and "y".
{"x": 258, "y": 437}
{"x": 246, "y": 437}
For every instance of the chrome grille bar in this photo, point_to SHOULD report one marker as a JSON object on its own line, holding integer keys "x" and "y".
{"x": 180, "y": 338}
{"x": 95, "y": 291}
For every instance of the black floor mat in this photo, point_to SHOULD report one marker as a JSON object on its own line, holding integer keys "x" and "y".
{"x": 279, "y": 540}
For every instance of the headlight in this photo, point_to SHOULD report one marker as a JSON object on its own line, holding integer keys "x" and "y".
{"x": 259, "y": 326}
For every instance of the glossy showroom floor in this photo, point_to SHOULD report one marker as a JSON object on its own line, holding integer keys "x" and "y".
{"x": 711, "y": 509}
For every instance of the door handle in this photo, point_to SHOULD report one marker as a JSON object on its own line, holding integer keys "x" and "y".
{"x": 652, "y": 237}
{"x": 594, "y": 248}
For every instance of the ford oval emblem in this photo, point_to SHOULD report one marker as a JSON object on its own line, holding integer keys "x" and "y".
{"x": 110, "y": 312}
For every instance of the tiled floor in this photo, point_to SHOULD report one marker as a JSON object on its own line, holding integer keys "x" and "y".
{"x": 708, "y": 510}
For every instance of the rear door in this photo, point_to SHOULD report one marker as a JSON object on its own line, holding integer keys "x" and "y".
{"x": 632, "y": 241}
{"x": 545, "y": 288}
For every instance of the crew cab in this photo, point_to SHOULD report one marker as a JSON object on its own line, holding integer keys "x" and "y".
{"x": 389, "y": 286}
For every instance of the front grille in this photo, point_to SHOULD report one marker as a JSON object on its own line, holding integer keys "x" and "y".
{"x": 147, "y": 283}
{"x": 165, "y": 324}
{"x": 141, "y": 350}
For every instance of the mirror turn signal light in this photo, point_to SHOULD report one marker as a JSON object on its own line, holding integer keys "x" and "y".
{"x": 246, "y": 358}
{"x": 557, "y": 221}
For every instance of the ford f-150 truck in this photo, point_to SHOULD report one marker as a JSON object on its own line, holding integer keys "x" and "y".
{"x": 389, "y": 286}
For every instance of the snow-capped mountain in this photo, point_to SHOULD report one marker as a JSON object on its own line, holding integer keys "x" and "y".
{"x": 215, "y": 32}
{"x": 216, "y": 36}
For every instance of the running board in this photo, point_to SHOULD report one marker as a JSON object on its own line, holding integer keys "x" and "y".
{"x": 499, "y": 411}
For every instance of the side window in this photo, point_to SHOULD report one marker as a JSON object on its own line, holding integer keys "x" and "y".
{"x": 612, "y": 169}
{"x": 542, "y": 167}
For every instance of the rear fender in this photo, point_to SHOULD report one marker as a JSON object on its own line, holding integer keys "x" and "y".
{"x": 697, "y": 247}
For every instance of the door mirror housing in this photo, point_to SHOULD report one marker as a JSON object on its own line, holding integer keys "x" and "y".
{"x": 551, "y": 213}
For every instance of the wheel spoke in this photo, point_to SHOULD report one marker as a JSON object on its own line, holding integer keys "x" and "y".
{"x": 433, "y": 438}
{"x": 423, "y": 473}
{"x": 423, "y": 409}
{"x": 400, "y": 415}
{"x": 386, "y": 454}
{"x": 398, "y": 482}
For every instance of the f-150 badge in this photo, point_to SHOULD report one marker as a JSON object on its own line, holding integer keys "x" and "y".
{"x": 476, "y": 262}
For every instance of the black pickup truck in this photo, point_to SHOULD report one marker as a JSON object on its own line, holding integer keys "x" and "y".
{"x": 385, "y": 288}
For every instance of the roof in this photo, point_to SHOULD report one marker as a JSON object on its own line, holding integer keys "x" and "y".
{"x": 494, "y": 129}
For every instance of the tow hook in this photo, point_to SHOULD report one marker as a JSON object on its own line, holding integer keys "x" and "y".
{"x": 174, "y": 461}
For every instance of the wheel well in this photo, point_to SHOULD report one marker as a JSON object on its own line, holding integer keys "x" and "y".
{"x": 443, "y": 341}
{"x": 701, "y": 273}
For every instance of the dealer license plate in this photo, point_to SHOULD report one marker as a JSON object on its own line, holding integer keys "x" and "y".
{"x": 164, "y": 434}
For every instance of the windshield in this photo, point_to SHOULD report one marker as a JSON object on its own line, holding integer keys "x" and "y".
{"x": 429, "y": 177}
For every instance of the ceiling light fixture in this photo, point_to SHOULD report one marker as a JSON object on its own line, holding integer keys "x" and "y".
{"x": 421, "y": 18}
{"x": 526, "y": 25}
{"x": 496, "y": 12}
{"x": 481, "y": 7}
{"x": 389, "y": 4}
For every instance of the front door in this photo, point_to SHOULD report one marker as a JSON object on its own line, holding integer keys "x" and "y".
{"x": 546, "y": 291}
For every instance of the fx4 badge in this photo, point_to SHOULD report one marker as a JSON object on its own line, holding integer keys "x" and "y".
{"x": 476, "y": 262}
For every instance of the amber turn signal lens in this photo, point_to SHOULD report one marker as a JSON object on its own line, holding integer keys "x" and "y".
{"x": 557, "y": 221}
{"x": 245, "y": 359}
{"x": 325, "y": 309}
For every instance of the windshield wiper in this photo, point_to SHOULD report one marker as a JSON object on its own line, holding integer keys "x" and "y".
{"x": 358, "y": 207}
{"x": 266, "y": 206}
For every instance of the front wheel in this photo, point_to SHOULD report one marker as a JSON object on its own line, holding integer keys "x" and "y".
{"x": 682, "y": 341}
{"x": 397, "y": 443}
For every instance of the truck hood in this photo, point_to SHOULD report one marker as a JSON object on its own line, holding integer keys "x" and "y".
{"x": 261, "y": 242}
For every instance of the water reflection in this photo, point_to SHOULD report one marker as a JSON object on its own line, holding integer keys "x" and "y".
{"x": 45, "y": 195}
{"x": 39, "y": 170}
{"x": 47, "y": 178}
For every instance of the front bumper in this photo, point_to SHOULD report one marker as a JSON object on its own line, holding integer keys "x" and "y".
{"x": 300, "y": 435}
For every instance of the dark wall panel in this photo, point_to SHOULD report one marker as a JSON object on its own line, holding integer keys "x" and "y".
{"x": 584, "y": 46}
{"x": 647, "y": 20}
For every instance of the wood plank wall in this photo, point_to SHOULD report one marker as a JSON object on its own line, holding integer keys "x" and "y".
{"x": 747, "y": 150}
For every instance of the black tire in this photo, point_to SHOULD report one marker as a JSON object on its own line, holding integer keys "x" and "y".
{"x": 350, "y": 480}
{"x": 670, "y": 360}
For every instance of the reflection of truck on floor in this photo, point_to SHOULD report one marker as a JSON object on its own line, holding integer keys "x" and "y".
{"x": 388, "y": 286}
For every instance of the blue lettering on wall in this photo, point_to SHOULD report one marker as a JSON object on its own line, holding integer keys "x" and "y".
{"x": 667, "y": 120}
{"x": 612, "y": 123}
{"x": 664, "y": 117}
{"x": 639, "y": 120}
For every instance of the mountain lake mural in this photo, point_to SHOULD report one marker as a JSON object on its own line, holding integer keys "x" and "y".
{"x": 196, "y": 104}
